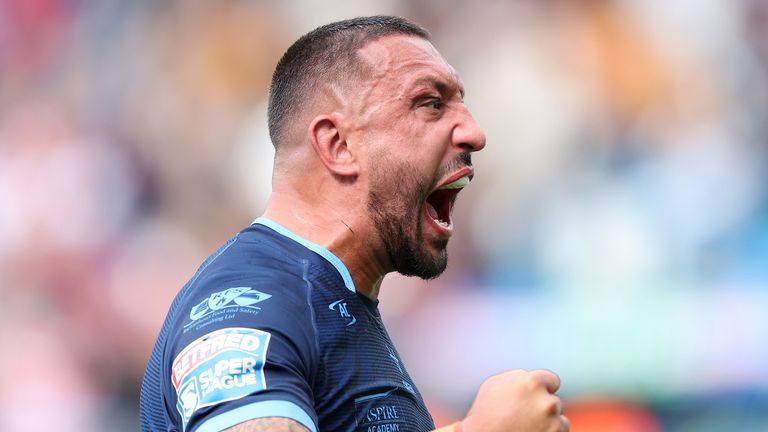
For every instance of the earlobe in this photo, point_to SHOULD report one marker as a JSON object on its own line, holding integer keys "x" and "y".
{"x": 330, "y": 144}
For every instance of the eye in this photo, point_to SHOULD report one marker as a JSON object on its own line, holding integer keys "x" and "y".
{"x": 434, "y": 103}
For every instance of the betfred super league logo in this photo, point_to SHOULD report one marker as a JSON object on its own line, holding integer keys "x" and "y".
{"x": 220, "y": 366}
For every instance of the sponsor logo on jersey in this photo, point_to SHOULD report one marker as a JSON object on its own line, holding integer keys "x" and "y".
{"x": 379, "y": 412}
{"x": 237, "y": 297}
{"x": 341, "y": 307}
{"x": 223, "y": 365}
{"x": 382, "y": 418}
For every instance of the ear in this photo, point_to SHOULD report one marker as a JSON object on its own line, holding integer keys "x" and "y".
{"x": 328, "y": 139}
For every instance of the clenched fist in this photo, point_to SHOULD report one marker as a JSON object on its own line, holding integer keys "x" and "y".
{"x": 517, "y": 401}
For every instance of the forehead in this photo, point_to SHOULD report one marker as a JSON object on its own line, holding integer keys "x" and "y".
{"x": 403, "y": 62}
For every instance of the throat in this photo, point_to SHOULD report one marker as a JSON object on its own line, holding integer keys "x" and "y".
{"x": 438, "y": 205}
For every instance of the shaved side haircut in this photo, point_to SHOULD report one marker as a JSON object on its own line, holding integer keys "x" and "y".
{"x": 326, "y": 54}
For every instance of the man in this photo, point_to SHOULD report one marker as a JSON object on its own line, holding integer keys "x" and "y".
{"x": 279, "y": 330}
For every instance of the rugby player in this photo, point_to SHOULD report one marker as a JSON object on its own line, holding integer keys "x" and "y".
{"x": 279, "y": 330}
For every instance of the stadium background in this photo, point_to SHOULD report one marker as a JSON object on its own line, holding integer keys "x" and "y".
{"x": 616, "y": 232}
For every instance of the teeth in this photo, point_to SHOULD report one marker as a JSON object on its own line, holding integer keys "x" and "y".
{"x": 442, "y": 222}
{"x": 458, "y": 184}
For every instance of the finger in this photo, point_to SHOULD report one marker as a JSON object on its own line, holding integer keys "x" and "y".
{"x": 550, "y": 379}
{"x": 565, "y": 424}
{"x": 557, "y": 408}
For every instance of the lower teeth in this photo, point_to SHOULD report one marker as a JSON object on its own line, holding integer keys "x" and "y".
{"x": 442, "y": 222}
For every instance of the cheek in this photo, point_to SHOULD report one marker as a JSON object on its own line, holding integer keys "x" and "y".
{"x": 405, "y": 153}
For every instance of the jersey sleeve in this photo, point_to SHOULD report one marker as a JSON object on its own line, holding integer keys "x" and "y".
{"x": 244, "y": 350}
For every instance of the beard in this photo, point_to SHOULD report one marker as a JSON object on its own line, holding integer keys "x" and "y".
{"x": 395, "y": 204}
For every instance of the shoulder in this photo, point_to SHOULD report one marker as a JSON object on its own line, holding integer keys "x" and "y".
{"x": 258, "y": 252}
{"x": 254, "y": 264}
{"x": 252, "y": 282}
{"x": 244, "y": 337}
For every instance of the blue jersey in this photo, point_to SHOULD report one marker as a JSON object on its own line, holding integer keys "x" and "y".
{"x": 271, "y": 325}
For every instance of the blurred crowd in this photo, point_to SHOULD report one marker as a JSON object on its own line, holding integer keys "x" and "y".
{"x": 617, "y": 229}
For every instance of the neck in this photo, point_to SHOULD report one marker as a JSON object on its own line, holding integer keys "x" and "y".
{"x": 347, "y": 234}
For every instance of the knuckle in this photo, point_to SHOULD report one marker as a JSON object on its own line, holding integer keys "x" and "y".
{"x": 541, "y": 375}
{"x": 553, "y": 405}
{"x": 534, "y": 380}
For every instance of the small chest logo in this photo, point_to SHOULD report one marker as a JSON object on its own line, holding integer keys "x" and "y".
{"x": 341, "y": 307}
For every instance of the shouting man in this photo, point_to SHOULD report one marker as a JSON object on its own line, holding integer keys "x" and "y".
{"x": 279, "y": 330}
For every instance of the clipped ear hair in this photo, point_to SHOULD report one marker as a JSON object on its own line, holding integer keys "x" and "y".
{"x": 330, "y": 145}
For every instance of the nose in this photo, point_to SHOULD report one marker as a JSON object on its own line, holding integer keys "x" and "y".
{"x": 467, "y": 134}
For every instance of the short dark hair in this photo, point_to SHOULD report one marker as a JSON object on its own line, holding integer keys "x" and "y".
{"x": 327, "y": 52}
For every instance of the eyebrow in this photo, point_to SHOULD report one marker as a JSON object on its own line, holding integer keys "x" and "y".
{"x": 438, "y": 84}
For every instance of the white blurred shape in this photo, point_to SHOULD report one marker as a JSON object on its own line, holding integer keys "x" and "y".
{"x": 61, "y": 187}
{"x": 43, "y": 385}
{"x": 252, "y": 159}
{"x": 153, "y": 264}
{"x": 597, "y": 240}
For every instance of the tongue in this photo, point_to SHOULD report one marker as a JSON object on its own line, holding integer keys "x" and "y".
{"x": 431, "y": 211}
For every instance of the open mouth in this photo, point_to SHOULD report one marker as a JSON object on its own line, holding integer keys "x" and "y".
{"x": 439, "y": 204}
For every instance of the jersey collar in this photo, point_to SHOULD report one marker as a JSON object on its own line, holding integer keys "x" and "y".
{"x": 314, "y": 247}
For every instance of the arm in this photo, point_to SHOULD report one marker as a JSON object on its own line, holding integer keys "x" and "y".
{"x": 251, "y": 365}
{"x": 513, "y": 401}
{"x": 269, "y": 424}
{"x": 516, "y": 400}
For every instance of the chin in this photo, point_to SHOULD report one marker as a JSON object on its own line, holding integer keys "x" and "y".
{"x": 424, "y": 264}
